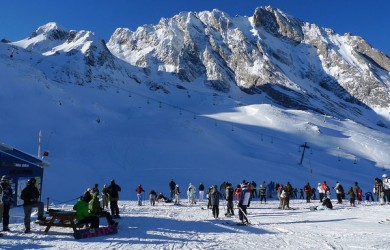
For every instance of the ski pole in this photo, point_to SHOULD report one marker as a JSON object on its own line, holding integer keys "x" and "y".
{"x": 242, "y": 211}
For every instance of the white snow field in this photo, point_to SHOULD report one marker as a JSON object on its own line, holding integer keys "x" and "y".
{"x": 166, "y": 226}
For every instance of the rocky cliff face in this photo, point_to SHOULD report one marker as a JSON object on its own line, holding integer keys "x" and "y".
{"x": 292, "y": 61}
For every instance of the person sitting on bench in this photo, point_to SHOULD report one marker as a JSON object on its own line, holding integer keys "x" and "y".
{"x": 95, "y": 209}
{"x": 83, "y": 216}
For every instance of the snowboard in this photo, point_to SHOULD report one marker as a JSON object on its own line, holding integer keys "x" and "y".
{"x": 95, "y": 232}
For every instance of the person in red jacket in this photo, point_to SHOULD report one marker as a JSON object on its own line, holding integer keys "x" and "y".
{"x": 307, "y": 190}
{"x": 139, "y": 190}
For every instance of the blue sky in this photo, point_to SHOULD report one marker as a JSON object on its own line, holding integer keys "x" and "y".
{"x": 369, "y": 19}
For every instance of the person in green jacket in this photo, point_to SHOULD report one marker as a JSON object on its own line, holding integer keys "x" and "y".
{"x": 82, "y": 211}
{"x": 95, "y": 209}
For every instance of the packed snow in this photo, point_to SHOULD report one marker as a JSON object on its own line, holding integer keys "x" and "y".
{"x": 187, "y": 226}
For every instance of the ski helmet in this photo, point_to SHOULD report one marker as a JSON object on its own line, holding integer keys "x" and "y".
{"x": 384, "y": 176}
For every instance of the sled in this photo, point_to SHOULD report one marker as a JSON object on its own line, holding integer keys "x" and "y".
{"x": 94, "y": 232}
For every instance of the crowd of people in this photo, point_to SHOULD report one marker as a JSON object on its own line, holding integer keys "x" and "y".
{"x": 92, "y": 204}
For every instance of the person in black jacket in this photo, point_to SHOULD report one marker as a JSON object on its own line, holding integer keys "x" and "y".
{"x": 201, "y": 191}
{"x": 8, "y": 200}
{"x": 172, "y": 186}
{"x": 229, "y": 199}
{"x": 113, "y": 192}
{"x": 30, "y": 196}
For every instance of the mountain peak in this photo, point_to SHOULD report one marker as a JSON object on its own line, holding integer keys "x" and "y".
{"x": 51, "y": 30}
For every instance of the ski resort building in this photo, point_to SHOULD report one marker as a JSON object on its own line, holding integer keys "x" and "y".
{"x": 19, "y": 167}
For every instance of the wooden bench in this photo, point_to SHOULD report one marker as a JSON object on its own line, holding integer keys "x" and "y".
{"x": 61, "y": 218}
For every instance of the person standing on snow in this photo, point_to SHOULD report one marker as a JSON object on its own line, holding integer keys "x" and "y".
{"x": 386, "y": 187}
{"x": 201, "y": 191}
{"x": 243, "y": 204}
{"x": 214, "y": 200}
{"x": 30, "y": 196}
{"x": 379, "y": 190}
{"x": 263, "y": 193}
{"x": 113, "y": 191}
{"x": 8, "y": 200}
{"x": 139, "y": 190}
{"x": 105, "y": 197}
{"x": 339, "y": 192}
{"x": 172, "y": 186}
{"x": 326, "y": 189}
{"x": 229, "y": 200}
{"x": 307, "y": 190}
{"x": 321, "y": 192}
{"x": 355, "y": 189}
{"x": 191, "y": 194}
{"x": 1, "y": 207}
{"x": 352, "y": 197}
{"x": 176, "y": 193}
{"x": 152, "y": 197}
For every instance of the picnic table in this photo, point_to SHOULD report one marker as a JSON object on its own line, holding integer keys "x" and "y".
{"x": 61, "y": 218}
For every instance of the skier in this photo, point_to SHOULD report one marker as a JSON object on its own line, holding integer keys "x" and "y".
{"x": 139, "y": 190}
{"x": 152, "y": 197}
{"x": 360, "y": 196}
{"x": 191, "y": 194}
{"x": 254, "y": 190}
{"x": 339, "y": 192}
{"x": 301, "y": 196}
{"x": 356, "y": 189}
{"x": 326, "y": 189}
{"x": 263, "y": 194}
{"x": 113, "y": 191}
{"x": 307, "y": 190}
{"x": 201, "y": 191}
{"x": 176, "y": 192}
{"x": 8, "y": 200}
{"x": 379, "y": 190}
{"x": 369, "y": 196}
{"x": 237, "y": 192}
{"x": 229, "y": 200}
{"x": 288, "y": 190}
{"x": 172, "y": 186}
{"x": 352, "y": 197}
{"x": 214, "y": 200}
{"x": 386, "y": 186}
{"x": 30, "y": 196}
{"x": 83, "y": 216}
{"x": 321, "y": 192}
{"x": 243, "y": 204}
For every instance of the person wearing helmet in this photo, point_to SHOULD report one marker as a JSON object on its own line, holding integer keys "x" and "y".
{"x": 8, "y": 200}
{"x": 30, "y": 196}
{"x": 386, "y": 187}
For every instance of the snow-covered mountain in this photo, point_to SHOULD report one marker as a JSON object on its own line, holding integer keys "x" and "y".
{"x": 198, "y": 97}
{"x": 297, "y": 64}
